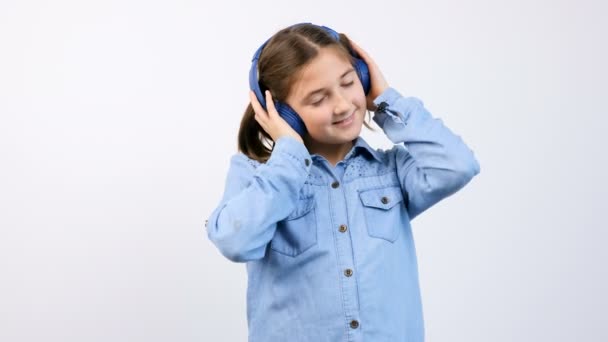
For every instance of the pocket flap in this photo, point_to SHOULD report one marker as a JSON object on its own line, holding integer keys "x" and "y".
{"x": 383, "y": 198}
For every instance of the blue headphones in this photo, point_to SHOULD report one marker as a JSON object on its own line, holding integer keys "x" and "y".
{"x": 284, "y": 110}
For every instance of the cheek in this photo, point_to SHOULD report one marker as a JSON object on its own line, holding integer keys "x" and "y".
{"x": 315, "y": 118}
{"x": 359, "y": 96}
{"x": 361, "y": 101}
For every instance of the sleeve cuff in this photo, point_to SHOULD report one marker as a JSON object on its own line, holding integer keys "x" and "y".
{"x": 390, "y": 96}
{"x": 391, "y": 104}
{"x": 291, "y": 149}
{"x": 385, "y": 104}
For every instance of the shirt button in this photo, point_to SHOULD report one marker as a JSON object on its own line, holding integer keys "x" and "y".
{"x": 307, "y": 162}
{"x": 206, "y": 222}
{"x": 348, "y": 272}
{"x": 342, "y": 228}
{"x": 335, "y": 185}
{"x": 384, "y": 200}
{"x": 354, "y": 324}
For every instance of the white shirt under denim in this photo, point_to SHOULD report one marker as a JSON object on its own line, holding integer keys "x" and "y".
{"x": 329, "y": 251}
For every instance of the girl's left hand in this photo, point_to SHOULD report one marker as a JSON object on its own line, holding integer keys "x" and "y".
{"x": 378, "y": 82}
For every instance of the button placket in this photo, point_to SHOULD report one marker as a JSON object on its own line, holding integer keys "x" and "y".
{"x": 348, "y": 284}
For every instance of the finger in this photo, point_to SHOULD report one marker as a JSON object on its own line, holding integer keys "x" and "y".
{"x": 272, "y": 110}
{"x": 358, "y": 49}
{"x": 260, "y": 121}
{"x": 362, "y": 53}
{"x": 257, "y": 107}
{"x": 263, "y": 122}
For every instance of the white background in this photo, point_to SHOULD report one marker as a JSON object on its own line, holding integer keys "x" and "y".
{"x": 118, "y": 119}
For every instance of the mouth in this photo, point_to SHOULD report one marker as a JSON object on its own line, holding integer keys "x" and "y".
{"x": 347, "y": 120}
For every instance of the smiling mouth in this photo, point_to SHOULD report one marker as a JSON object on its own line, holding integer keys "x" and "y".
{"x": 345, "y": 120}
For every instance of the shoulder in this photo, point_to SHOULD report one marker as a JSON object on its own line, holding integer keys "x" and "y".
{"x": 399, "y": 156}
{"x": 370, "y": 161}
{"x": 241, "y": 160}
{"x": 397, "y": 150}
{"x": 240, "y": 172}
{"x": 242, "y": 168}
{"x": 394, "y": 157}
{"x": 385, "y": 156}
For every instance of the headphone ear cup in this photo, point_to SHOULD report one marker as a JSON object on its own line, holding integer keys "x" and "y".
{"x": 363, "y": 73}
{"x": 291, "y": 117}
{"x": 253, "y": 78}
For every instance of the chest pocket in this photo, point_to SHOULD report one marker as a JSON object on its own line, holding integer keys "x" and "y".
{"x": 385, "y": 212}
{"x": 298, "y": 232}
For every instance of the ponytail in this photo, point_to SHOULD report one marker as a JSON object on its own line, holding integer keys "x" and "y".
{"x": 253, "y": 141}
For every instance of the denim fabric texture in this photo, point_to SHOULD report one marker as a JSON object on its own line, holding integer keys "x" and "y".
{"x": 329, "y": 250}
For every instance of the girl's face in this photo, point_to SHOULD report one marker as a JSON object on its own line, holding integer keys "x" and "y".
{"x": 329, "y": 98}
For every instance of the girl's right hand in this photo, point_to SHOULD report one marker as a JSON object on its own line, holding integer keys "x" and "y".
{"x": 270, "y": 120}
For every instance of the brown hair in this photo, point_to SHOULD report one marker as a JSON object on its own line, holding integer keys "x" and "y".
{"x": 285, "y": 54}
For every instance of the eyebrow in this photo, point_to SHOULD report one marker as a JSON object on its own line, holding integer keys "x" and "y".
{"x": 314, "y": 92}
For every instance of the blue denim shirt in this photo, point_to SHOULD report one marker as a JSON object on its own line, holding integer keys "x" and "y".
{"x": 329, "y": 250}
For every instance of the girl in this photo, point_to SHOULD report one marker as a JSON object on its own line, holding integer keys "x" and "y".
{"x": 321, "y": 218}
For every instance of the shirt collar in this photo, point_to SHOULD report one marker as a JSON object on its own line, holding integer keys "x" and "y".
{"x": 359, "y": 146}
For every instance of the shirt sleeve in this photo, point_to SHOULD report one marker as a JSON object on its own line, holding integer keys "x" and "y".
{"x": 256, "y": 198}
{"x": 432, "y": 162}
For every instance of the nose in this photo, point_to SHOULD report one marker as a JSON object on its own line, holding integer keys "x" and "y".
{"x": 342, "y": 104}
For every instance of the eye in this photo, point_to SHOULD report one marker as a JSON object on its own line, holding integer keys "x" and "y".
{"x": 318, "y": 102}
{"x": 348, "y": 84}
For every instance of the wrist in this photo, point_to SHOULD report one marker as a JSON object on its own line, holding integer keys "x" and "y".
{"x": 294, "y": 136}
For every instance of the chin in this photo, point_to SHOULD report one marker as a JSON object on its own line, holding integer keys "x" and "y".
{"x": 349, "y": 135}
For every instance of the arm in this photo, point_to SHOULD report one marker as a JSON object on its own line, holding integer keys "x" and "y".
{"x": 432, "y": 162}
{"x": 255, "y": 199}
